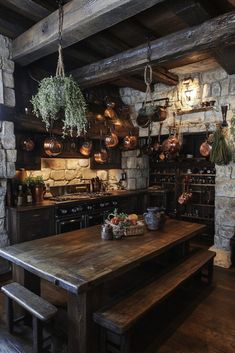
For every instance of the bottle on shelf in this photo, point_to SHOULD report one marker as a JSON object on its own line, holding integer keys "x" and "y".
{"x": 29, "y": 197}
{"x": 20, "y": 196}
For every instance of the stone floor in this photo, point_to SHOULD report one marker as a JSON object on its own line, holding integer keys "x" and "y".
{"x": 194, "y": 322}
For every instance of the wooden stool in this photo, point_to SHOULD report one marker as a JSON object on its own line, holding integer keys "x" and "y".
{"x": 40, "y": 309}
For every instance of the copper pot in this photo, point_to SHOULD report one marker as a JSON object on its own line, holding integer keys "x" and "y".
{"x": 86, "y": 148}
{"x": 111, "y": 140}
{"x": 205, "y": 149}
{"x": 144, "y": 116}
{"x": 129, "y": 142}
{"x": 52, "y": 147}
{"x": 27, "y": 144}
{"x": 101, "y": 156}
{"x": 171, "y": 145}
{"x": 160, "y": 114}
{"x": 37, "y": 193}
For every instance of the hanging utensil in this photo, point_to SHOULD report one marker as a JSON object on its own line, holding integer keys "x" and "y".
{"x": 171, "y": 144}
{"x": 157, "y": 147}
{"x": 186, "y": 194}
{"x": 205, "y": 148}
{"x": 148, "y": 147}
{"x": 224, "y": 110}
{"x": 52, "y": 146}
{"x": 129, "y": 142}
{"x": 111, "y": 140}
{"x": 27, "y": 144}
{"x": 101, "y": 156}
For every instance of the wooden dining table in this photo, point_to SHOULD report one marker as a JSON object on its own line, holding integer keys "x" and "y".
{"x": 83, "y": 264}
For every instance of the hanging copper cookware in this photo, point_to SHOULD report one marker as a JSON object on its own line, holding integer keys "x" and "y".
{"x": 205, "y": 148}
{"x": 101, "y": 156}
{"x": 171, "y": 145}
{"x": 52, "y": 146}
{"x": 27, "y": 144}
{"x": 129, "y": 142}
{"x": 86, "y": 148}
{"x": 157, "y": 147}
{"x": 111, "y": 140}
{"x": 160, "y": 114}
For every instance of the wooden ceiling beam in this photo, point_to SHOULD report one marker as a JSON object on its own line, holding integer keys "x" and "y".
{"x": 162, "y": 75}
{"x": 81, "y": 20}
{"x": 131, "y": 81}
{"x": 225, "y": 57}
{"x": 204, "y": 37}
{"x": 26, "y": 8}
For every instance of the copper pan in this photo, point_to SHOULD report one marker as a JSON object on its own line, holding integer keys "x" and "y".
{"x": 52, "y": 146}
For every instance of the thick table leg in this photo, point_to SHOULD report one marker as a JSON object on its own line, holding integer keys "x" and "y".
{"x": 77, "y": 323}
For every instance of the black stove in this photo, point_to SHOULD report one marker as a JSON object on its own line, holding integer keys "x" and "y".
{"x": 80, "y": 210}
{"x": 78, "y": 196}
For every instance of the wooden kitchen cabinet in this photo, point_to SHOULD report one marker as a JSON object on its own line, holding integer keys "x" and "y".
{"x": 27, "y": 224}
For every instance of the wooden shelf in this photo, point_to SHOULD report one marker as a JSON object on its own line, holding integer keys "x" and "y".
{"x": 212, "y": 185}
{"x": 202, "y": 205}
{"x": 196, "y": 110}
{"x": 198, "y": 218}
{"x": 192, "y": 174}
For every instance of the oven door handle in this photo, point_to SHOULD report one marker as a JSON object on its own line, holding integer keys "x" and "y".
{"x": 71, "y": 221}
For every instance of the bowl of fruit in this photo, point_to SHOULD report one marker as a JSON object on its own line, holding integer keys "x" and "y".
{"x": 125, "y": 225}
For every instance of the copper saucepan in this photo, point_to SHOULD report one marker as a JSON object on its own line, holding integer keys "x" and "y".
{"x": 86, "y": 148}
{"x": 205, "y": 148}
{"x": 111, "y": 140}
{"x": 52, "y": 146}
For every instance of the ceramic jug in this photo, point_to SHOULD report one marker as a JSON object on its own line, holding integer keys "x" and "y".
{"x": 154, "y": 218}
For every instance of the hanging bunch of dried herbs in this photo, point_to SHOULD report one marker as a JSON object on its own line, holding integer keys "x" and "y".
{"x": 221, "y": 153}
{"x": 60, "y": 95}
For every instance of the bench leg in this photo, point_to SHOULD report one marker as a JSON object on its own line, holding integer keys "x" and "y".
{"x": 10, "y": 315}
{"x": 37, "y": 336}
{"x": 207, "y": 272}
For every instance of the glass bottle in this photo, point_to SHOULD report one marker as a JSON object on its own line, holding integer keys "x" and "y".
{"x": 29, "y": 197}
{"x": 20, "y": 196}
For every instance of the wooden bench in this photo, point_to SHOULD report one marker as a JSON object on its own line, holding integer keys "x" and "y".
{"x": 121, "y": 317}
{"x": 40, "y": 309}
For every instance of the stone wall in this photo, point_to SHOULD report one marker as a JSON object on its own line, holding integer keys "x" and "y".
{"x": 7, "y": 137}
{"x": 57, "y": 172}
{"x": 7, "y": 93}
{"x": 224, "y": 213}
{"x": 210, "y": 85}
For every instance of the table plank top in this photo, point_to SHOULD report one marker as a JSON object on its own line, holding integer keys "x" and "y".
{"x": 80, "y": 259}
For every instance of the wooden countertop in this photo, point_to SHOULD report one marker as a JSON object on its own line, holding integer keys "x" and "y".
{"x": 80, "y": 259}
{"x": 49, "y": 203}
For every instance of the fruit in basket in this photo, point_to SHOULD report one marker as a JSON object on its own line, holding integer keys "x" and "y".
{"x": 133, "y": 218}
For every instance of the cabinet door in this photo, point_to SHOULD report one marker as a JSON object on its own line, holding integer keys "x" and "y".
{"x": 36, "y": 224}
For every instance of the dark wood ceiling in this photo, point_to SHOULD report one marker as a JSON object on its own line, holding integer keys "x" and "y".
{"x": 160, "y": 20}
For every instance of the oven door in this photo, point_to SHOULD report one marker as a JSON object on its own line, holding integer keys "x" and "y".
{"x": 63, "y": 226}
{"x": 94, "y": 219}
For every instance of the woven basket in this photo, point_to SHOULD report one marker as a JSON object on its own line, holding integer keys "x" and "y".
{"x": 139, "y": 229}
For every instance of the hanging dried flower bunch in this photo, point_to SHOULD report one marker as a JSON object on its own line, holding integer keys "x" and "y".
{"x": 60, "y": 94}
